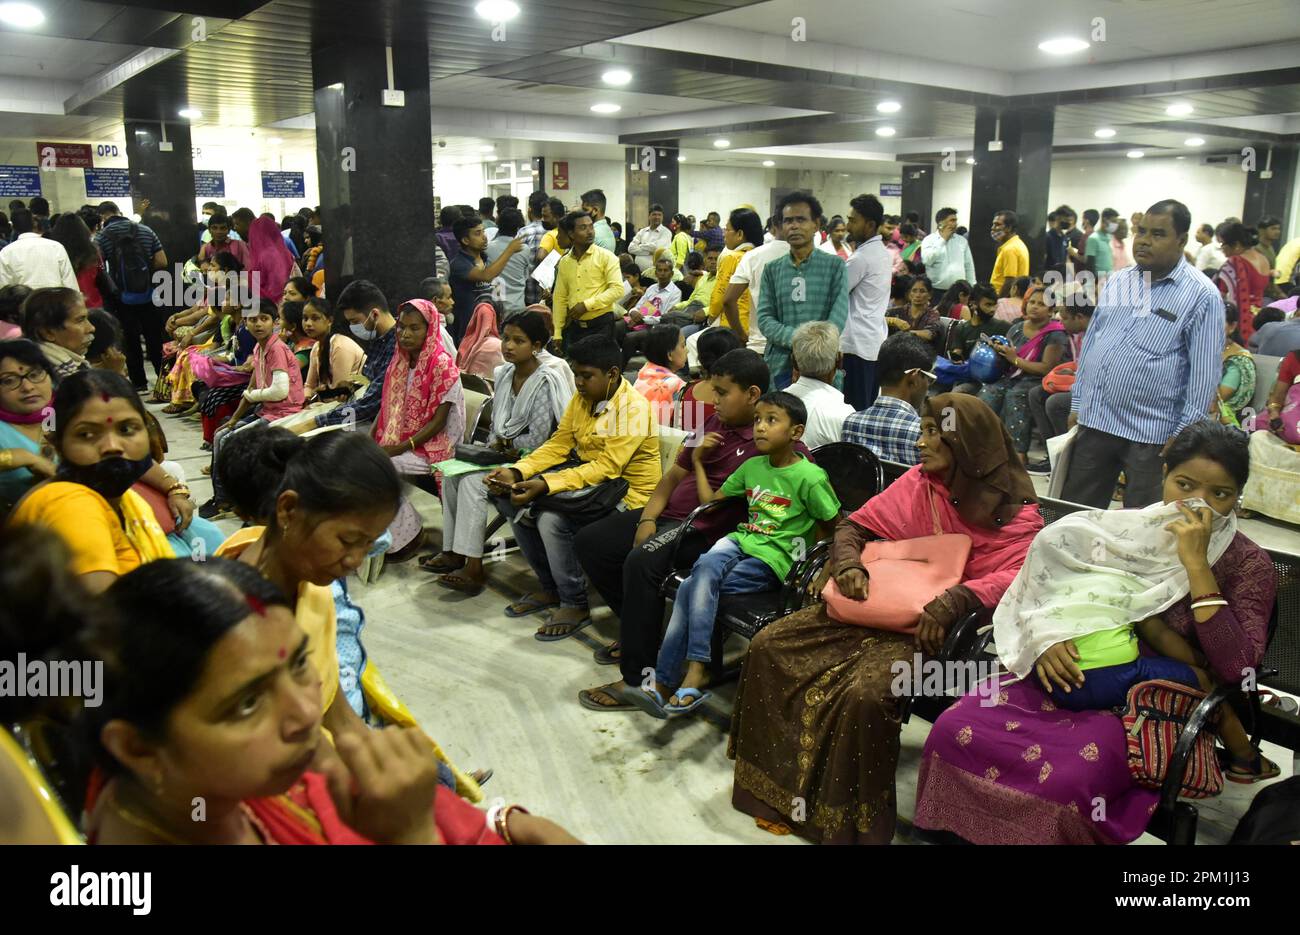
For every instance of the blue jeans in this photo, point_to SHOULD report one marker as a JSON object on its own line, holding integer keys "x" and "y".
{"x": 549, "y": 548}
{"x": 1107, "y": 686}
{"x": 724, "y": 569}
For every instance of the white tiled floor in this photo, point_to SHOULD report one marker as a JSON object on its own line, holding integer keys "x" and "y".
{"x": 494, "y": 696}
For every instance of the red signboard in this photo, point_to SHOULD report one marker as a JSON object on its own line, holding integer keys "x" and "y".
{"x": 560, "y": 176}
{"x": 66, "y": 155}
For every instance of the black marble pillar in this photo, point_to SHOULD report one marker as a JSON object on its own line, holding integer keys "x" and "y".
{"x": 1270, "y": 196}
{"x": 651, "y": 178}
{"x": 166, "y": 177}
{"x": 1015, "y": 179}
{"x": 918, "y": 193}
{"x": 375, "y": 164}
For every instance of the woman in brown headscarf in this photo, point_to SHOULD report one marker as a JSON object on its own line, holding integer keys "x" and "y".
{"x": 816, "y": 725}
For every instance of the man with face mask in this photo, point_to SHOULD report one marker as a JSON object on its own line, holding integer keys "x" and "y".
{"x": 1061, "y": 236}
{"x": 366, "y": 310}
{"x": 1098, "y": 253}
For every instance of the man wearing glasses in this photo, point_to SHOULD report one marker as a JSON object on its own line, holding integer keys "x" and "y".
{"x": 805, "y": 285}
{"x": 891, "y": 425}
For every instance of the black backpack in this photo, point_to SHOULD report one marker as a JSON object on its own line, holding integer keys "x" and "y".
{"x": 131, "y": 266}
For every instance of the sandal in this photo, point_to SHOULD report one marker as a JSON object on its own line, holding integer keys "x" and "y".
{"x": 587, "y": 698}
{"x": 173, "y": 409}
{"x": 696, "y": 697}
{"x": 458, "y": 582}
{"x": 610, "y": 655}
{"x": 574, "y": 628}
{"x": 529, "y": 604}
{"x": 430, "y": 563}
{"x": 649, "y": 701}
{"x": 1259, "y": 769}
{"x": 481, "y": 776}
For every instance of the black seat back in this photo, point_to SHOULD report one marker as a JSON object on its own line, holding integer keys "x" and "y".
{"x": 1284, "y": 646}
{"x": 855, "y": 472}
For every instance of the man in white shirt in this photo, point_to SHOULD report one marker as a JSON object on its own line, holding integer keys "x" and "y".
{"x": 1209, "y": 256}
{"x": 946, "y": 254}
{"x": 749, "y": 274}
{"x": 32, "y": 261}
{"x": 869, "y": 268}
{"x": 650, "y": 239}
{"x": 816, "y": 351}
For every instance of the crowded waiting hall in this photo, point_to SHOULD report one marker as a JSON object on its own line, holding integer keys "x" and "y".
{"x": 479, "y": 423}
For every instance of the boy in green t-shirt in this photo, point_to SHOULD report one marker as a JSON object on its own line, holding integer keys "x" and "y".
{"x": 788, "y": 496}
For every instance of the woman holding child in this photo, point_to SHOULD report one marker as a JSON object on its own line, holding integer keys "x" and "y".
{"x": 1032, "y": 768}
{"x": 816, "y": 728}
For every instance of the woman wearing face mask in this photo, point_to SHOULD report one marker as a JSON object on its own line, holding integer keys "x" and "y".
{"x": 101, "y": 443}
{"x": 533, "y": 387}
{"x": 215, "y": 699}
{"x": 1031, "y": 769}
{"x": 57, "y": 320}
{"x": 335, "y": 358}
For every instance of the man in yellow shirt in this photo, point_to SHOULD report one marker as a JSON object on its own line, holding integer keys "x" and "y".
{"x": 610, "y": 426}
{"x": 1013, "y": 255}
{"x": 588, "y": 282}
{"x": 552, "y": 211}
{"x": 1287, "y": 258}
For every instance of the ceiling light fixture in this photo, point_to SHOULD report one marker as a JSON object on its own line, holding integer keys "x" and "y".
{"x": 336, "y": 86}
{"x": 1104, "y": 133}
{"x": 616, "y": 76}
{"x": 189, "y": 113}
{"x": 20, "y": 15}
{"x": 768, "y": 163}
{"x": 970, "y": 160}
{"x": 885, "y": 131}
{"x": 1135, "y": 154}
{"x": 1193, "y": 141}
{"x": 681, "y": 158}
{"x": 889, "y": 107}
{"x": 1179, "y": 110}
{"x": 721, "y": 144}
{"x": 497, "y": 11}
{"x": 606, "y": 108}
{"x": 1065, "y": 45}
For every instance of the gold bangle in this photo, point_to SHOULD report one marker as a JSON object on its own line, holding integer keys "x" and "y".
{"x": 503, "y": 821}
{"x": 6, "y": 458}
{"x": 412, "y": 441}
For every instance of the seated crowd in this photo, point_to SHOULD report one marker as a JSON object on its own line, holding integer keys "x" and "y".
{"x": 507, "y": 390}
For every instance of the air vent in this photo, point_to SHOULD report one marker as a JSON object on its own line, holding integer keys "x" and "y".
{"x": 1220, "y": 159}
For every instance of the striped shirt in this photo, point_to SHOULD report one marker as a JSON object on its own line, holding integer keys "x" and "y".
{"x": 1151, "y": 355}
{"x": 793, "y": 294}
{"x": 889, "y": 427}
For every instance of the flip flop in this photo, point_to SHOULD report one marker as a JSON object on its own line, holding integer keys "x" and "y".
{"x": 587, "y": 699}
{"x": 438, "y": 568}
{"x": 651, "y": 702}
{"x": 605, "y": 655}
{"x": 530, "y": 605}
{"x": 454, "y": 582}
{"x": 699, "y": 697}
{"x": 547, "y": 638}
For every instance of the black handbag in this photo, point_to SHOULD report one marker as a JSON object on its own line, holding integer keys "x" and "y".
{"x": 582, "y": 506}
{"x": 482, "y": 454}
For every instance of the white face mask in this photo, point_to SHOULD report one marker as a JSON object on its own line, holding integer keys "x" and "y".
{"x": 361, "y": 332}
{"x": 1112, "y": 227}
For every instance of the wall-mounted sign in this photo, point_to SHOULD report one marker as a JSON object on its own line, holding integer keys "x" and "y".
{"x": 209, "y": 183}
{"x": 65, "y": 155}
{"x": 108, "y": 183}
{"x": 891, "y": 189}
{"x": 560, "y": 176}
{"x": 20, "y": 181}
{"x": 106, "y": 149}
{"x": 283, "y": 185}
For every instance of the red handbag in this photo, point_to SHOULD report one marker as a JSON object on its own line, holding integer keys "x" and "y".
{"x": 1154, "y": 718}
{"x": 1060, "y": 379}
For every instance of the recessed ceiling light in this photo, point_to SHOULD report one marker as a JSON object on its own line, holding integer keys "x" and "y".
{"x": 1104, "y": 133}
{"x": 721, "y": 144}
{"x": 606, "y": 108}
{"x": 970, "y": 160}
{"x": 1193, "y": 141}
{"x": 889, "y": 107}
{"x": 1063, "y": 46}
{"x": 768, "y": 163}
{"x": 497, "y": 11}
{"x": 20, "y": 15}
{"x": 681, "y": 158}
{"x": 1178, "y": 110}
{"x": 1135, "y": 154}
{"x": 616, "y": 76}
{"x": 885, "y": 131}
{"x": 189, "y": 113}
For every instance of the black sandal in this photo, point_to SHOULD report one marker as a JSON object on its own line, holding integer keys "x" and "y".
{"x": 610, "y": 655}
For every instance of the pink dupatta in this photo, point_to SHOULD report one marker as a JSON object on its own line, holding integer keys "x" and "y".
{"x": 269, "y": 259}
{"x": 480, "y": 349}
{"x": 410, "y": 398}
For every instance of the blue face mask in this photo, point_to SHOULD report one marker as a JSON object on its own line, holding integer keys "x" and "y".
{"x": 361, "y": 332}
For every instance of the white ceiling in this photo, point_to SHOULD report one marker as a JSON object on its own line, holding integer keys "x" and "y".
{"x": 977, "y": 32}
{"x": 52, "y": 58}
{"x": 473, "y": 91}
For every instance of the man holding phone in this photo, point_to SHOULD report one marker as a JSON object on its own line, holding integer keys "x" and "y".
{"x": 471, "y": 275}
{"x": 946, "y": 254}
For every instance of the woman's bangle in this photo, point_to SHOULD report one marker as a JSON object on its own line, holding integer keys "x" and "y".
{"x": 412, "y": 441}
{"x": 6, "y": 459}
{"x": 180, "y": 488}
{"x": 648, "y": 521}
{"x": 1217, "y": 602}
{"x": 1206, "y": 597}
{"x": 503, "y": 821}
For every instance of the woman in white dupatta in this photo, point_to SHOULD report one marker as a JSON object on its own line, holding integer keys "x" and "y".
{"x": 533, "y": 387}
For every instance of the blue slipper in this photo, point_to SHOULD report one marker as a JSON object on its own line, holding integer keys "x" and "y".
{"x": 651, "y": 702}
{"x": 682, "y": 694}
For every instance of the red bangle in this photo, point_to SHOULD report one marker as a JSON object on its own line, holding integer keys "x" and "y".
{"x": 1207, "y": 597}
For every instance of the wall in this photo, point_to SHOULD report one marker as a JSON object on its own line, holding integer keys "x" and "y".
{"x": 64, "y": 188}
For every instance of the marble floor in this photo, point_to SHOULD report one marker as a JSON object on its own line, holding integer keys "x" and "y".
{"x": 494, "y": 697}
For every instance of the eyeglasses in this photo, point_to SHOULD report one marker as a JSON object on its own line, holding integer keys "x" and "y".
{"x": 11, "y": 381}
{"x": 932, "y": 377}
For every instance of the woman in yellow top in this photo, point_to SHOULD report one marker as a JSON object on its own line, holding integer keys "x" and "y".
{"x": 681, "y": 245}
{"x": 101, "y": 442}
{"x": 744, "y": 232}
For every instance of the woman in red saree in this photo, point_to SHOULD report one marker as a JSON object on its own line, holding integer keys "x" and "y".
{"x": 1245, "y": 275}
{"x": 213, "y": 698}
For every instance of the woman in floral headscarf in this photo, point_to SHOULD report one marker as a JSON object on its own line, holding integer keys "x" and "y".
{"x": 422, "y": 411}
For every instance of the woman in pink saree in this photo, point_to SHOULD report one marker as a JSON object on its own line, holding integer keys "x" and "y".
{"x": 1245, "y": 275}
{"x": 270, "y": 263}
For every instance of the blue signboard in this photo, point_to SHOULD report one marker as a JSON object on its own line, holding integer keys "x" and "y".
{"x": 108, "y": 183}
{"x": 283, "y": 185}
{"x": 20, "y": 181}
{"x": 891, "y": 189}
{"x": 209, "y": 183}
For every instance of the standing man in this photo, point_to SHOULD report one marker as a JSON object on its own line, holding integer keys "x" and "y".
{"x": 1097, "y": 254}
{"x": 593, "y": 202}
{"x": 587, "y": 283}
{"x": 551, "y": 214}
{"x": 946, "y": 255}
{"x": 650, "y": 239}
{"x": 471, "y": 273}
{"x": 1270, "y": 232}
{"x": 221, "y": 241}
{"x": 485, "y": 206}
{"x": 32, "y": 260}
{"x": 869, "y": 269}
{"x": 711, "y": 231}
{"x": 805, "y": 285}
{"x": 1150, "y": 364}
{"x": 1013, "y": 255}
{"x": 131, "y": 254}
{"x": 1209, "y": 256}
{"x": 1061, "y": 236}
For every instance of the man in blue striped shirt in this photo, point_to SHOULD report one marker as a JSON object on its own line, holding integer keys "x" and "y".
{"x": 1151, "y": 365}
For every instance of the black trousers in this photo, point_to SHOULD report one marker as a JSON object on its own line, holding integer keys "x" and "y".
{"x": 141, "y": 322}
{"x": 1096, "y": 458}
{"x": 574, "y": 332}
{"x": 629, "y": 578}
